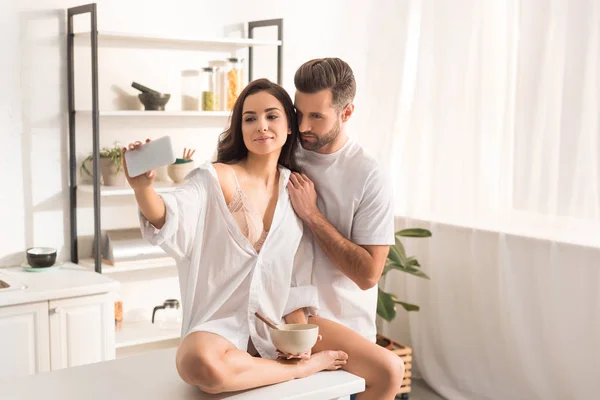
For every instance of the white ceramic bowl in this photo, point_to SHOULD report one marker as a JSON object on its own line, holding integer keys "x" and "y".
{"x": 295, "y": 339}
{"x": 178, "y": 172}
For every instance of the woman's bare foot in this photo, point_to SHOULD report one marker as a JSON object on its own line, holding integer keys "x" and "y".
{"x": 324, "y": 360}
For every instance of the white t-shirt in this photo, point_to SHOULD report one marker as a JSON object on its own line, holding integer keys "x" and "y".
{"x": 353, "y": 194}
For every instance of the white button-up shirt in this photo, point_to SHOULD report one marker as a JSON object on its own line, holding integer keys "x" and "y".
{"x": 223, "y": 280}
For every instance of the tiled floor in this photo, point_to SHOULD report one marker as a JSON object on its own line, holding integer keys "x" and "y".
{"x": 421, "y": 391}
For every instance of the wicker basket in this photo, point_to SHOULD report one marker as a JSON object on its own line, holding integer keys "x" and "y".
{"x": 405, "y": 353}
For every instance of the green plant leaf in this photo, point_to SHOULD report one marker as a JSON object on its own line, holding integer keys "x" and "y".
{"x": 414, "y": 232}
{"x": 114, "y": 153}
{"x": 409, "y": 270}
{"x": 387, "y": 268}
{"x": 412, "y": 262}
{"x": 400, "y": 248}
{"x": 398, "y": 260}
{"x": 408, "y": 307}
{"x": 83, "y": 168}
{"x": 396, "y": 255}
{"x": 386, "y": 306}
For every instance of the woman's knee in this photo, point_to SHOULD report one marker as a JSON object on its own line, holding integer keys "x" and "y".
{"x": 203, "y": 371}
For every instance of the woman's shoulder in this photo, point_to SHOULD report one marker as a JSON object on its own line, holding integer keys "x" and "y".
{"x": 223, "y": 169}
{"x": 226, "y": 177}
{"x": 225, "y": 172}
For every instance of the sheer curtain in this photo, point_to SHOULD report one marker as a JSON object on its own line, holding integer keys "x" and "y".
{"x": 499, "y": 109}
{"x": 496, "y": 148}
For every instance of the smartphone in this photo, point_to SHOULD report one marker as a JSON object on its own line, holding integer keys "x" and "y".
{"x": 151, "y": 155}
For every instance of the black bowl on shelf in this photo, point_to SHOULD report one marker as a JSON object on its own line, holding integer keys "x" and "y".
{"x": 154, "y": 101}
{"x": 41, "y": 257}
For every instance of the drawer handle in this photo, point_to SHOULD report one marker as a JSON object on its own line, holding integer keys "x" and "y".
{"x": 58, "y": 310}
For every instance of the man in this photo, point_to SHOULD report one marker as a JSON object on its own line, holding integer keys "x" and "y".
{"x": 345, "y": 202}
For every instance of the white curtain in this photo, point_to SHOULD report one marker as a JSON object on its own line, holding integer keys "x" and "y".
{"x": 499, "y": 110}
{"x": 496, "y": 149}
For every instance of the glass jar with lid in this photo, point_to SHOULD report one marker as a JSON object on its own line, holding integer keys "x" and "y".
{"x": 190, "y": 90}
{"x": 208, "y": 88}
{"x": 221, "y": 83}
{"x": 235, "y": 80}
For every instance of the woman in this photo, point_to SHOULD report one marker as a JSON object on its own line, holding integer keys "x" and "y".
{"x": 236, "y": 240}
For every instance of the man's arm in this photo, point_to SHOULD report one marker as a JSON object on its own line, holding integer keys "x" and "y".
{"x": 362, "y": 264}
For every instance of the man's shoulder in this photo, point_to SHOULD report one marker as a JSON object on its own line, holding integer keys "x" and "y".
{"x": 361, "y": 163}
{"x": 353, "y": 163}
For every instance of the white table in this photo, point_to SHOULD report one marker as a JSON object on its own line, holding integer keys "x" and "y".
{"x": 153, "y": 376}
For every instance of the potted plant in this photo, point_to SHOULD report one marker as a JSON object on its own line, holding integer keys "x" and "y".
{"x": 111, "y": 166}
{"x": 387, "y": 302}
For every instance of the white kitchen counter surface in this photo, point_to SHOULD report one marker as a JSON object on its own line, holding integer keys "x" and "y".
{"x": 153, "y": 376}
{"x": 68, "y": 281}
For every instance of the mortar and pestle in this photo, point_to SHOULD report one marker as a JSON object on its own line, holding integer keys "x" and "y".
{"x": 151, "y": 99}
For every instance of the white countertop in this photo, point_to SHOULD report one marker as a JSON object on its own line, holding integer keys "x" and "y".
{"x": 153, "y": 376}
{"x": 68, "y": 281}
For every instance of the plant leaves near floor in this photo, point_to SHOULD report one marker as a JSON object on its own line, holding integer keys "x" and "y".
{"x": 399, "y": 261}
{"x": 409, "y": 270}
{"x": 408, "y": 306}
{"x": 397, "y": 255}
{"x": 386, "y": 305}
{"x": 411, "y": 261}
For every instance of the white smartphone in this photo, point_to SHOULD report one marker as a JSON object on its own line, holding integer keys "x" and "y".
{"x": 151, "y": 155}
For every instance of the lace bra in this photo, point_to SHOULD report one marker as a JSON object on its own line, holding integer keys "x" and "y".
{"x": 248, "y": 220}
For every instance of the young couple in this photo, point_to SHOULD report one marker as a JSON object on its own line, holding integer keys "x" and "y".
{"x": 249, "y": 233}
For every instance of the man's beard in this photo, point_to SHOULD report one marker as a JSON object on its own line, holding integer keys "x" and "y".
{"x": 322, "y": 140}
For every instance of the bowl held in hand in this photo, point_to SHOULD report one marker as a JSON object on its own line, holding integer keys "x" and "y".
{"x": 294, "y": 339}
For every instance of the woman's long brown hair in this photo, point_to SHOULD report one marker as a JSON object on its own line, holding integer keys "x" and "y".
{"x": 231, "y": 147}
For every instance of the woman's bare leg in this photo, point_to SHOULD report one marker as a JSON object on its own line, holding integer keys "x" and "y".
{"x": 382, "y": 370}
{"x": 215, "y": 365}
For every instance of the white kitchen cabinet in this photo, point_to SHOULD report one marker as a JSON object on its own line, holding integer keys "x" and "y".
{"x": 24, "y": 340}
{"x": 81, "y": 330}
{"x": 55, "y": 334}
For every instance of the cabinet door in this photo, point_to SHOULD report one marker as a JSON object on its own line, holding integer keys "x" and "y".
{"x": 24, "y": 344}
{"x": 81, "y": 330}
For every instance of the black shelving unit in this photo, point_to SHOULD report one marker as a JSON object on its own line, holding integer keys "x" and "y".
{"x": 91, "y": 9}
{"x": 261, "y": 24}
{"x": 72, "y": 12}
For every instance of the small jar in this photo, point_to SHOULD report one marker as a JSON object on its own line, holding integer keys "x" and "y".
{"x": 220, "y": 84}
{"x": 118, "y": 314}
{"x": 235, "y": 80}
{"x": 190, "y": 90}
{"x": 208, "y": 87}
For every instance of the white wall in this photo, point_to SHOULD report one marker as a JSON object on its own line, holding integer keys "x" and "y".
{"x": 12, "y": 210}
